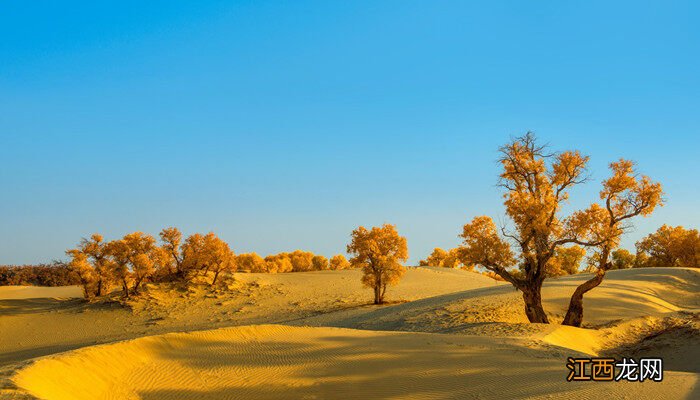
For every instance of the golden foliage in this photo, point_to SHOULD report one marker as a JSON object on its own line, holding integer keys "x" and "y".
{"x": 319, "y": 263}
{"x": 566, "y": 261}
{"x": 339, "y": 261}
{"x": 622, "y": 259}
{"x": 380, "y": 253}
{"x": 537, "y": 184}
{"x": 446, "y": 258}
{"x": 483, "y": 246}
{"x": 251, "y": 262}
{"x": 670, "y": 247}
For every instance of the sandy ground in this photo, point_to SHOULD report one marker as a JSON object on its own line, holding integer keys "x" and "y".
{"x": 446, "y": 334}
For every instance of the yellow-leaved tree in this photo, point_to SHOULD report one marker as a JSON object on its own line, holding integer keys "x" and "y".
{"x": 671, "y": 246}
{"x": 380, "y": 253}
{"x": 536, "y": 184}
{"x": 87, "y": 276}
{"x": 202, "y": 254}
{"x": 339, "y": 261}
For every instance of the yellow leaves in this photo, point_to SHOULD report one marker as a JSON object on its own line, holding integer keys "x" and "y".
{"x": 566, "y": 261}
{"x": 483, "y": 246}
{"x": 380, "y": 253}
{"x": 443, "y": 258}
{"x": 339, "y": 261}
{"x": 319, "y": 263}
{"x": 568, "y": 169}
{"x": 671, "y": 247}
{"x": 250, "y": 262}
{"x": 626, "y": 194}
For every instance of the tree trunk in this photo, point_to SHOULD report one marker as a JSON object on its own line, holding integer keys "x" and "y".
{"x": 533, "y": 305}
{"x": 125, "y": 286}
{"x": 377, "y": 294}
{"x": 574, "y": 315}
{"x": 216, "y": 275}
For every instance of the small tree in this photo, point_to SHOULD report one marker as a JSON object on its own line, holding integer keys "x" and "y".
{"x": 221, "y": 258}
{"x": 339, "y": 261}
{"x": 172, "y": 239}
{"x": 435, "y": 259}
{"x": 622, "y": 259}
{"x": 278, "y": 263}
{"x": 319, "y": 263}
{"x": 143, "y": 257}
{"x": 250, "y": 262}
{"x": 380, "y": 253}
{"x": 120, "y": 254}
{"x": 96, "y": 251}
{"x": 84, "y": 270}
{"x": 301, "y": 260}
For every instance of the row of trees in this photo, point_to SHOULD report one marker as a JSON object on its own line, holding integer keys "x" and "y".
{"x": 296, "y": 261}
{"x": 667, "y": 247}
{"x": 136, "y": 258}
{"x": 55, "y": 274}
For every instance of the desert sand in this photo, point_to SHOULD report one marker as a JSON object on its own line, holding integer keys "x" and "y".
{"x": 446, "y": 334}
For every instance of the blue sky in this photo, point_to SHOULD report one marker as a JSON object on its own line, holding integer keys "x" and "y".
{"x": 284, "y": 125}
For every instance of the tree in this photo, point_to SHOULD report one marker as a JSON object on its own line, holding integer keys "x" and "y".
{"x": 220, "y": 257}
{"x": 172, "y": 239}
{"x": 95, "y": 250}
{"x": 625, "y": 195}
{"x": 622, "y": 259}
{"x": 143, "y": 256}
{"x": 537, "y": 185}
{"x": 84, "y": 270}
{"x": 319, "y": 263}
{"x": 566, "y": 261}
{"x": 251, "y": 262}
{"x": 380, "y": 253}
{"x": 301, "y": 260}
{"x": 278, "y": 263}
{"x": 120, "y": 254}
{"x": 435, "y": 259}
{"x": 339, "y": 261}
{"x": 671, "y": 247}
{"x": 202, "y": 254}
{"x": 445, "y": 258}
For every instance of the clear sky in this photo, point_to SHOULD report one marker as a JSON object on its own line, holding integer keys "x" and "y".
{"x": 284, "y": 125}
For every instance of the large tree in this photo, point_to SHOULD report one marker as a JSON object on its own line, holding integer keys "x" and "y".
{"x": 380, "y": 253}
{"x": 536, "y": 186}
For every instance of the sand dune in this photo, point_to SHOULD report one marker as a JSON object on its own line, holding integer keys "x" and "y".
{"x": 447, "y": 334}
{"x": 280, "y": 362}
{"x": 32, "y": 327}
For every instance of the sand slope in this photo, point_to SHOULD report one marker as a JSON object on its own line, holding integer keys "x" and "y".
{"x": 280, "y": 362}
{"x": 32, "y": 327}
{"x": 448, "y": 334}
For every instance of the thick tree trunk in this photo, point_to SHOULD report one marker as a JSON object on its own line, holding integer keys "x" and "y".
{"x": 99, "y": 287}
{"x": 533, "y": 305}
{"x": 377, "y": 294}
{"x": 125, "y": 287}
{"x": 574, "y": 315}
